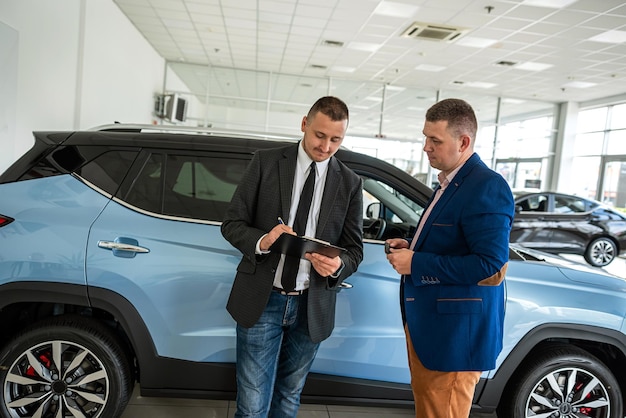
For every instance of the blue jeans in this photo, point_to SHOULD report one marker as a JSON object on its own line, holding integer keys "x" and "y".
{"x": 273, "y": 359}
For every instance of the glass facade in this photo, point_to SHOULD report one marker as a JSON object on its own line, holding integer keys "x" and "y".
{"x": 516, "y": 137}
{"x": 600, "y": 154}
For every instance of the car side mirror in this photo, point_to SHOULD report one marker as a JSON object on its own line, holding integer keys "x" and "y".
{"x": 518, "y": 208}
{"x": 373, "y": 210}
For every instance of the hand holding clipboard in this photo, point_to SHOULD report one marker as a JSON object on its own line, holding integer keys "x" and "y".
{"x": 298, "y": 246}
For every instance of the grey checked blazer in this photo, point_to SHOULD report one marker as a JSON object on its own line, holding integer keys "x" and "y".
{"x": 263, "y": 195}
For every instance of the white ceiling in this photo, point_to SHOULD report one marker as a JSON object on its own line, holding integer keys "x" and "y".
{"x": 556, "y": 50}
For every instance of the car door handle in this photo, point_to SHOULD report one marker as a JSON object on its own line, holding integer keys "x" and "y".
{"x": 123, "y": 247}
{"x": 345, "y": 285}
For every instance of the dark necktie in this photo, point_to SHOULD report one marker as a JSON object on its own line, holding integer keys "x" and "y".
{"x": 290, "y": 268}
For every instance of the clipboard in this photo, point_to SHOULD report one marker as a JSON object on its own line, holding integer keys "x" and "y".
{"x": 298, "y": 246}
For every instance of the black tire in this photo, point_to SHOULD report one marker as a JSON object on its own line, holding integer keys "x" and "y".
{"x": 562, "y": 380}
{"x": 600, "y": 252}
{"x": 62, "y": 363}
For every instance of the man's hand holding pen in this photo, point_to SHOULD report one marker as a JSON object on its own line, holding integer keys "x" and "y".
{"x": 274, "y": 233}
{"x": 325, "y": 266}
{"x": 399, "y": 255}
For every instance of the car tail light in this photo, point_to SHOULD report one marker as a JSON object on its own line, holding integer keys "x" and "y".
{"x": 5, "y": 220}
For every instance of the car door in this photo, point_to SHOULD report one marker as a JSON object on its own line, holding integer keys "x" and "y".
{"x": 159, "y": 245}
{"x": 368, "y": 341}
{"x": 532, "y": 225}
{"x": 572, "y": 224}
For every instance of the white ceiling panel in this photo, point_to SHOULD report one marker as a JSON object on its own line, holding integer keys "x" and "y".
{"x": 286, "y": 39}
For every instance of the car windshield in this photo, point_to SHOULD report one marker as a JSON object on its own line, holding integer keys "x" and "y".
{"x": 399, "y": 208}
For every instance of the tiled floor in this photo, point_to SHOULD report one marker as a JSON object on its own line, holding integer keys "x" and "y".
{"x": 186, "y": 408}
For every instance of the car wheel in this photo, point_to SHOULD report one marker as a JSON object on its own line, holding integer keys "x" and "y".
{"x": 600, "y": 252}
{"x": 563, "y": 382}
{"x": 64, "y": 367}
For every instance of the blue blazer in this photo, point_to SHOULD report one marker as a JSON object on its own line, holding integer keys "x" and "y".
{"x": 453, "y": 300}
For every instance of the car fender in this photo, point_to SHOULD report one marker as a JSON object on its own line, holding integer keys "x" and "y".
{"x": 561, "y": 333}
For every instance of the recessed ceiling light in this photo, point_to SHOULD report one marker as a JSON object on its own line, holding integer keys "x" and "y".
{"x": 343, "y": 69}
{"x": 389, "y": 8}
{"x": 480, "y": 84}
{"x": 476, "y": 42}
{"x": 578, "y": 84}
{"x": 533, "y": 66}
{"x": 477, "y": 84}
{"x": 509, "y": 100}
{"x": 431, "y": 68}
{"x": 611, "y": 37}
{"x": 553, "y": 4}
{"x": 363, "y": 46}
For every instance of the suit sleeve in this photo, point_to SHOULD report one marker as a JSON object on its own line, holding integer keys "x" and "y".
{"x": 238, "y": 224}
{"x": 352, "y": 234}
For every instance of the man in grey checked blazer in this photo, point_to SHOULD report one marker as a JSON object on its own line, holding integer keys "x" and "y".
{"x": 279, "y": 331}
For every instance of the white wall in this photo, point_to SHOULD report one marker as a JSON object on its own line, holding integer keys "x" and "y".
{"x": 80, "y": 64}
{"x": 8, "y": 91}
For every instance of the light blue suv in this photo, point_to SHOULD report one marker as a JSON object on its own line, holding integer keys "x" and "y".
{"x": 113, "y": 271}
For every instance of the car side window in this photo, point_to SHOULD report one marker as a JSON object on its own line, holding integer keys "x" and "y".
{"x": 101, "y": 166}
{"x": 568, "y": 204}
{"x": 534, "y": 203}
{"x": 382, "y": 202}
{"x": 147, "y": 188}
{"x": 108, "y": 169}
{"x": 188, "y": 186}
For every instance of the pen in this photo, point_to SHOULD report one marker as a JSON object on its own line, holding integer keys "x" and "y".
{"x": 280, "y": 221}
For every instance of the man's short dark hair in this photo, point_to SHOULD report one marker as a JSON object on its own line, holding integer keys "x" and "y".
{"x": 331, "y": 106}
{"x": 458, "y": 113}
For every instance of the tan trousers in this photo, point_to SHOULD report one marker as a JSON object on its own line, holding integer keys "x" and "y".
{"x": 440, "y": 394}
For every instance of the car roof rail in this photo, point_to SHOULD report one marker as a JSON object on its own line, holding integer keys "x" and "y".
{"x": 135, "y": 127}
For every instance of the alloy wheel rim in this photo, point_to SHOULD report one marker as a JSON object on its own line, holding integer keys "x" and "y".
{"x": 602, "y": 253}
{"x": 568, "y": 392}
{"x": 56, "y": 379}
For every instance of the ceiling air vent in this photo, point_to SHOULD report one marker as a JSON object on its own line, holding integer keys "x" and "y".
{"x": 419, "y": 30}
{"x": 328, "y": 42}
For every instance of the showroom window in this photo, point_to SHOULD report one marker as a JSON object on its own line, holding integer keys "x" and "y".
{"x": 386, "y": 119}
{"x": 599, "y": 163}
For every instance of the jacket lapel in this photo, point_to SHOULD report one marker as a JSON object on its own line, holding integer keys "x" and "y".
{"x": 452, "y": 188}
{"x": 329, "y": 196}
{"x": 286, "y": 174}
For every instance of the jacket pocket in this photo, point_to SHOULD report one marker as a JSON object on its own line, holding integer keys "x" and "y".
{"x": 246, "y": 267}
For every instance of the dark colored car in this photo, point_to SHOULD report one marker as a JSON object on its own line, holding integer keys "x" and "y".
{"x": 565, "y": 224}
{"x": 114, "y": 273}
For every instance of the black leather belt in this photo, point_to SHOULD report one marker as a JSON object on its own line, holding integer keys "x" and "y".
{"x": 292, "y": 293}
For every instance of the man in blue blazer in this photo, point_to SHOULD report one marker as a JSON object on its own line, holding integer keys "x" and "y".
{"x": 453, "y": 269}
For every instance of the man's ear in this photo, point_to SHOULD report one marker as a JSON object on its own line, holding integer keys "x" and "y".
{"x": 303, "y": 125}
{"x": 466, "y": 141}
